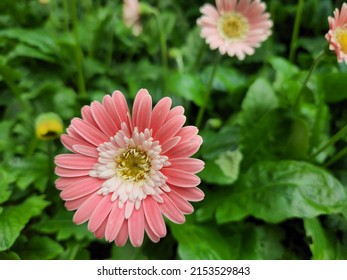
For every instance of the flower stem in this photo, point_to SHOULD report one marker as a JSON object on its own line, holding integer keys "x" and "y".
{"x": 332, "y": 141}
{"x": 295, "y": 34}
{"x": 163, "y": 47}
{"x": 78, "y": 51}
{"x": 336, "y": 157}
{"x": 310, "y": 72}
{"x": 206, "y": 98}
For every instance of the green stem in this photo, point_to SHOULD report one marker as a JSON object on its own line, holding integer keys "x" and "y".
{"x": 50, "y": 162}
{"x": 295, "y": 34}
{"x": 78, "y": 51}
{"x": 331, "y": 142}
{"x": 208, "y": 92}
{"x": 310, "y": 72}
{"x": 163, "y": 48}
{"x": 336, "y": 157}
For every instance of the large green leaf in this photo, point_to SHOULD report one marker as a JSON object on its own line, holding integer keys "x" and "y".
{"x": 252, "y": 242}
{"x": 39, "y": 248}
{"x": 188, "y": 86}
{"x": 334, "y": 86}
{"x": 14, "y": 218}
{"x": 200, "y": 242}
{"x": 260, "y": 100}
{"x": 277, "y": 190}
{"x": 64, "y": 228}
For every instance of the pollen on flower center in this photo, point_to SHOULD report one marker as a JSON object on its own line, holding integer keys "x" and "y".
{"x": 233, "y": 26}
{"x": 341, "y": 38}
{"x": 133, "y": 165}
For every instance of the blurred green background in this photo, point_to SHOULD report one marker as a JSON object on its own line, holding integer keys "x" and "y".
{"x": 269, "y": 193}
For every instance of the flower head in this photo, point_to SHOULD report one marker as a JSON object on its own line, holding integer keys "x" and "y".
{"x": 48, "y": 126}
{"x": 337, "y": 34}
{"x": 131, "y": 16}
{"x": 235, "y": 27}
{"x": 126, "y": 171}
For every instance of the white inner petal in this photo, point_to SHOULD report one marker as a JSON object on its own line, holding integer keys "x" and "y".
{"x": 130, "y": 165}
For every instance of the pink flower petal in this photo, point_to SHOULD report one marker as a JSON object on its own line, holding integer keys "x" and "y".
{"x": 159, "y": 114}
{"x": 172, "y": 142}
{"x": 115, "y": 221}
{"x": 170, "y": 210}
{"x": 104, "y": 121}
{"x": 155, "y": 238}
{"x": 74, "y": 204}
{"x": 63, "y": 172}
{"x": 192, "y": 165}
{"x": 88, "y": 132}
{"x": 180, "y": 178}
{"x": 136, "y": 227}
{"x": 100, "y": 232}
{"x": 170, "y": 128}
{"x": 154, "y": 217}
{"x": 121, "y": 106}
{"x": 175, "y": 111}
{"x": 191, "y": 194}
{"x": 143, "y": 116}
{"x": 84, "y": 212}
{"x": 72, "y": 161}
{"x": 122, "y": 236}
{"x": 100, "y": 213}
{"x": 183, "y": 205}
{"x": 81, "y": 188}
{"x": 62, "y": 183}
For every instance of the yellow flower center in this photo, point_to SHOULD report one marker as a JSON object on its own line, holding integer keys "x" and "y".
{"x": 341, "y": 38}
{"x": 233, "y": 26}
{"x": 133, "y": 165}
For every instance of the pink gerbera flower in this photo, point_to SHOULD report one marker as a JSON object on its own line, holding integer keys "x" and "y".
{"x": 235, "y": 27}
{"x": 337, "y": 35}
{"x": 126, "y": 171}
{"x": 131, "y": 16}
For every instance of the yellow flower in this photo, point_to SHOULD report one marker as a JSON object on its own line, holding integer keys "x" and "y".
{"x": 48, "y": 126}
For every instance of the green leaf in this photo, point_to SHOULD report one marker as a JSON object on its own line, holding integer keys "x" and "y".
{"x": 229, "y": 163}
{"x": 198, "y": 242}
{"x": 277, "y": 190}
{"x": 321, "y": 246}
{"x": 213, "y": 174}
{"x": 260, "y": 100}
{"x": 216, "y": 143}
{"x": 252, "y": 242}
{"x": 5, "y": 192}
{"x": 9, "y": 256}
{"x": 38, "y": 38}
{"x": 32, "y": 171}
{"x": 334, "y": 86}
{"x": 39, "y": 248}
{"x": 61, "y": 225}
{"x": 188, "y": 86}
{"x": 228, "y": 79}
{"x": 14, "y": 218}
{"x": 127, "y": 252}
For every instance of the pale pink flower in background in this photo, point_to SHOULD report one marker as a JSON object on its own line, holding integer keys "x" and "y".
{"x": 128, "y": 170}
{"x": 337, "y": 34}
{"x": 235, "y": 27}
{"x": 131, "y": 16}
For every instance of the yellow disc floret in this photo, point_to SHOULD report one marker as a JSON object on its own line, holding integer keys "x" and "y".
{"x": 341, "y": 38}
{"x": 233, "y": 26}
{"x": 133, "y": 165}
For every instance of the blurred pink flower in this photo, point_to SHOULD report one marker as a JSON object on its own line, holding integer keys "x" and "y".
{"x": 235, "y": 27}
{"x": 127, "y": 171}
{"x": 131, "y": 16}
{"x": 337, "y": 34}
